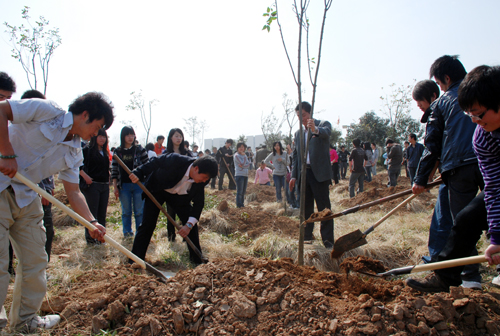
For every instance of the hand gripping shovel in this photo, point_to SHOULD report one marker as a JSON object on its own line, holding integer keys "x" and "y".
{"x": 430, "y": 266}
{"x": 315, "y": 218}
{"x": 89, "y": 226}
{"x": 153, "y": 199}
{"x": 358, "y": 238}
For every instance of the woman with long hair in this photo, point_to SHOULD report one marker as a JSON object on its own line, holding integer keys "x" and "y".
{"x": 130, "y": 194}
{"x": 278, "y": 160}
{"x": 95, "y": 174}
{"x": 175, "y": 144}
{"x": 368, "y": 164}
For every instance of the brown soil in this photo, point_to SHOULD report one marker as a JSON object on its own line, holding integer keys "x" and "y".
{"x": 377, "y": 189}
{"x": 255, "y": 222}
{"x": 255, "y": 194}
{"x": 249, "y": 296}
{"x": 362, "y": 264}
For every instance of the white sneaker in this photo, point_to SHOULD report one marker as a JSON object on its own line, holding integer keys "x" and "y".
{"x": 44, "y": 322}
{"x": 471, "y": 284}
{"x": 496, "y": 281}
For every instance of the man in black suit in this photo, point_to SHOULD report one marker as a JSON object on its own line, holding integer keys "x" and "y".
{"x": 177, "y": 180}
{"x": 319, "y": 172}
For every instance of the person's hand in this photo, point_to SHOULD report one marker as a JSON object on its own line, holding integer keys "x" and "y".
{"x": 184, "y": 231}
{"x": 240, "y": 165}
{"x": 291, "y": 184}
{"x": 133, "y": 178}
{"x": 8, "y": 167}
{"x": 311, "y": 125}
{"x": 417, "y": 189}
{"x": 87, "y": 179}
{"x": 117, "y": 192}
{"x": 489, "y": 254}
{"x": 98, "y": 233}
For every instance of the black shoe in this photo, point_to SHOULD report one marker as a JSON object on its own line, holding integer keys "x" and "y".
{"x": 431, "y": 283}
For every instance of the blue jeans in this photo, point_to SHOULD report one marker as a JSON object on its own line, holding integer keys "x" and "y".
{"x": 374, "y": 169}
{"x": 441, "y": 223}
{"x": 241, "y": 189}
{"x": 356, "y": 177}
{"x": 131, "y": 195}
{"x": 279, "y": 183}
{"x": 368, "y": 176}
{"x": 290, "y": 196}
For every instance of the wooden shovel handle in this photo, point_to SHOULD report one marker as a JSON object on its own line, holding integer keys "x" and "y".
{"x": 449, "y": 263}
{"x": 78, "y": 218}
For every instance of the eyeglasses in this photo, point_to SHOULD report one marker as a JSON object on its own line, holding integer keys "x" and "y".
{"x": 476, "y": 117}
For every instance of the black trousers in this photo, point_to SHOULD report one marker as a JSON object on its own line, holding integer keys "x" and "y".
{"x": 223, "y": 170}
{"x": 335, "y": 171}
{"x": 182, "y": 207}
{"x": 465, "y": 233}
{"x": 97, "y": 197}
{"x": 319, "y": 192}
{"x": 170, "y": 226}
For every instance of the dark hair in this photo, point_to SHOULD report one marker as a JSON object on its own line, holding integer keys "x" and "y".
{"x": 424, "y": 90}
{"x": 170, "y": 144}
{"x": 229, "y": 141}
{"x": 482, "y": 86}
{"x": 206, "y": 165}
{"x": 342, "y": 146}
{"x": 186, "y": 143}
{"x": 447, "y": 66}
{"x": 7, "y": 83}
{"x": 32, "y": 94}
{"x": 150, "y": 146}
{"x": 93, "y": 147}
{"x": 126, "y": 130}
{"x": 406, "y": 142}
{"x": 334, "y": 148}
{"x": 97, "y": 105}
{"x": 331, "y": 146}
{"x": 195, "y": 146}
{"x": 413, "y": 136}
{"x": 373, "y": 143}
{"x": 305, "y": 106}
{"x": 366, "y": 146}
{"x": 241, "y": 144}
{"x": 207, "y": 151}
{"x": 281, "y": 147}
{"x": 356, "y": 143}
{"x": 160, "y": 137}
{"x": 388, "y": 141}
{"x": 113, "y": 149}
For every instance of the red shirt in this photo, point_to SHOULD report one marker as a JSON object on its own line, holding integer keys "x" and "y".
{"x": 158, "y": 149}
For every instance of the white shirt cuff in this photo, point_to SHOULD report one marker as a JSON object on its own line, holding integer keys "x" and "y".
{"x": 192, "y": 220}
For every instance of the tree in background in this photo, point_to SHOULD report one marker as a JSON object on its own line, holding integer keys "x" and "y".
{"x": 33, "y": 47}
{"x": 137, "y": 102}
{"x": 271, "y": 129}
{"x": 370, "y": 128}
{"x": 195, "y": 127}
{"x": 289, "y": 116}
{"x": 397, "y": 107}
{"x": 336, "y": 137}
{"x": 242, "y": 138}
{"x": 203, "y": 128}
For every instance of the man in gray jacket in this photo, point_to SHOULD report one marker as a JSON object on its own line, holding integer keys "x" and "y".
{"x": 319, "y": 172}
{"x": 394, "y": 160}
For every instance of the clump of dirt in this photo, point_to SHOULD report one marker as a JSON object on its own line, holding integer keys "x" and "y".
{"x": 362, "y": 264}
{"x": 249, "y": 296}
{"x": 252, "y": 221}
{"x": 255, "y": 194}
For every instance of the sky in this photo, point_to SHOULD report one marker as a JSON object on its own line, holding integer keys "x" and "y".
{"x": 211, "y": 59}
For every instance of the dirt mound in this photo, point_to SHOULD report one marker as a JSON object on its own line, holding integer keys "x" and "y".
{"x": 253, "y": 221}
{"x": 362, "y": 264}
{"x": 248, "y": 296}
{"x": 255, "y": 194}
{"x": 375, "y": 190}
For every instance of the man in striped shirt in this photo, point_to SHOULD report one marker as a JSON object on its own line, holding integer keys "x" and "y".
{"x": 478, "y": 97}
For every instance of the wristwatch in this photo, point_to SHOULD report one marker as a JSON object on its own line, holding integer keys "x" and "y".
{"x": 189, "y": 225}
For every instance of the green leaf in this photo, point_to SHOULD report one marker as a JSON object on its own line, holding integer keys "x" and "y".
{"x": 268, "y": 9}
{"x": 265, "y": 14}
{"x": 268, "y": 29}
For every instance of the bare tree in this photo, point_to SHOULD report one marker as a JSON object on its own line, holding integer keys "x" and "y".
{"x": 192, "y": 127}
{"x": 137, "y": 102}
{"x": 203, "y": 128}
{"x": 290, "y": 116}
{"x": 33, "y": 47}
{"x": 299, "y": 8}
{"x": 271, "y": 128}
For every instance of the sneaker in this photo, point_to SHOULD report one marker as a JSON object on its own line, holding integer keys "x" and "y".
{"x": 431, "y": 283}
{"x": 496, "y": 281}
{"x": 42, "y": 322}
{"x": 471, "y": 284}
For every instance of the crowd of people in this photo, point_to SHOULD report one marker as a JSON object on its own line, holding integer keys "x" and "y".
{"x": 461, "y": 141}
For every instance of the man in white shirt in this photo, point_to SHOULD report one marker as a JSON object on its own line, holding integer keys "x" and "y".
{"x": 41, "y": 140}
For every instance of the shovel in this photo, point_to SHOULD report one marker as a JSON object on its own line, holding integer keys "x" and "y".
{"x": 314, "y": 218}
{"x": 357, "y": 238}
{"x": 430, "y": 266}
{"x": 153, "y": 199}
{"x": 88, "y": 225}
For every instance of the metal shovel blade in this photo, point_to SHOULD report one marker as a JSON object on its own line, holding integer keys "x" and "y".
{"x": 156, "y": 272}
{"x": 348, "y": 242}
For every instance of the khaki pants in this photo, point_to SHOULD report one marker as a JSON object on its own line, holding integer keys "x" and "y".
{"x": 25, "y": 228}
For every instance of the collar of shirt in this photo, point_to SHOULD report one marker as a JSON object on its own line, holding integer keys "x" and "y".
{"x": 183, "y": 186}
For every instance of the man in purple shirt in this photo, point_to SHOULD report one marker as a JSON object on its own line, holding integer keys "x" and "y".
{"x": 479, "y": 99}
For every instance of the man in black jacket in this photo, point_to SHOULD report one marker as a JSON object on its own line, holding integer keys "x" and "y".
{"x": 177, "y": 180}
{"x": 224, "y": 157}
